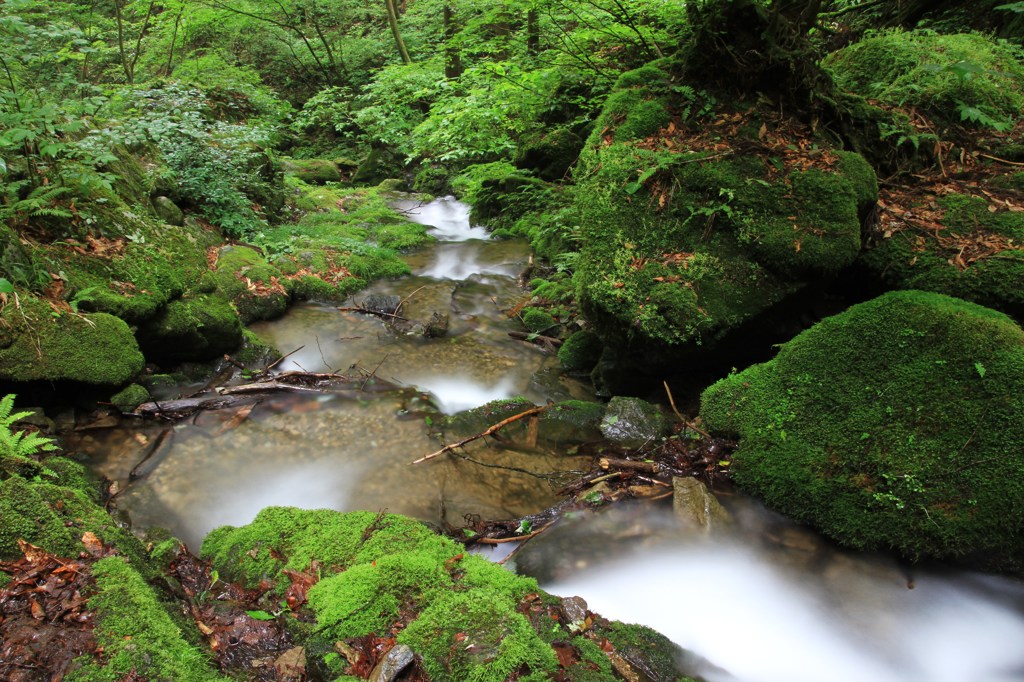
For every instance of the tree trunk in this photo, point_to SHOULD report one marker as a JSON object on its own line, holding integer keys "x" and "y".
{"x": 452, "y": 58}
{"x": 532, "y": 32}
{"x": 393, "y": 22}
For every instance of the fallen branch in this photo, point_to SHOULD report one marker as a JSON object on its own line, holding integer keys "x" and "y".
{"x": 629, "y": 464}
{"x": 687, "y": 423}
{"x": 370, "y": 311}
{"x": 493, "y": 429}
{"x": 277, "y": 362}
{"x": 266, "y": 387}
{"x": 512, "y": 538}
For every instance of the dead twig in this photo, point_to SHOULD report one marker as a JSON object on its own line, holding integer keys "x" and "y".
{"x": 277, "y": 362}
{"x": 493, "y": 429}
{"x": 370, "y": 311}
{"x": 687, "y": 423}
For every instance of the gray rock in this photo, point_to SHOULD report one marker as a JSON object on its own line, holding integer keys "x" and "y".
{"x": 573, "y": 609}
{"x": 168, "y": 211}
{"x": 631, "y": 422}
{"x": 394, "y": 662}
{"x": 382, "y": 303}
{"x": 437, "y": 326}
{"x": 696, "y": 508}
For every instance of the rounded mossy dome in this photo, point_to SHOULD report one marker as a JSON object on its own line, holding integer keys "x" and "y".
{"x": 954, "y": 77}
{"x": 893, "y": 425}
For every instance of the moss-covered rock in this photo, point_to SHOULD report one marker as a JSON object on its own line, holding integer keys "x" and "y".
{"x": 199, "y": 328}
{"x": 580, "y": 352}
{"x": 130, "y": 397}
{"x": 136, "y": 635}
{"x": 247, "y": 280}
{"x": 945, "y": 76}
{"x": 894, "y": 425}
{"x": 976, "y": 254}
{"x": 550, "y": 154}
{"x": 377, "y": 567}
{"x": 537, "y": 320}
{"x": 37, "y": 343}
{"x": 684, "y": 235}
{"x": 311, "y": 171}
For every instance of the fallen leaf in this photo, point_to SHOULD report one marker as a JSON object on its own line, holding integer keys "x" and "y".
{"x": 93, "y": 544}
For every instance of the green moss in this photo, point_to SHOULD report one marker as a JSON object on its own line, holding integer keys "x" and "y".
{"x": 130, "y": 397}
{"x": 892, "y": 425}
{"x": 255, "y": 352}
{"x": 933, "y": 73}
{"x": 27, "y": 516}
{"x": 580, "y": 352}
{"x": 288, "y": 538}
{"x": 368, "y": 597}
{"x": 732, "y": 238}
{"x": 37, "y": 345}
{"x": 252, "y": 285}
{"x": 199, "y": 328}
{"x": 550, "y": 154}
{"x": 477, "y": 636}
{"x": 909, "y": 260}
{"x": 311, "y": 171}
{"x": 647, "y": 650}
{"x": 537, "y": 320}
{"x": 136, "y": 634}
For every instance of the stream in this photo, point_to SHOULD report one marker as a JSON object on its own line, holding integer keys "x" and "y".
{"x": 765, "y": 601}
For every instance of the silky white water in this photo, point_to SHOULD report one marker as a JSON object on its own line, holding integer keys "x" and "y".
{"x": 756, "y": 615}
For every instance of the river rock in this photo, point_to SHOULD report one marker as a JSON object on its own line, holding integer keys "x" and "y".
{"x": 631, "y": 422}
{"x": 394, "y": 662}
{"x": 382, "y": 303}
{"x": 696, "y": 508}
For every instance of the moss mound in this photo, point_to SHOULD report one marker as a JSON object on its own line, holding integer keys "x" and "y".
{"x": 311, "y": 171}
{"x": 36, "y": 343}
{"x": 975, "y": 255}
{"x": 678, "y": 248}
{"x": 895, "y": 424}
{"x": 378, "y": 569}
{"x": 138, "y": 639}
{"x": 199, "y": 328}
{"x": 253, "y": 286}
{"x": 952, "y": 78}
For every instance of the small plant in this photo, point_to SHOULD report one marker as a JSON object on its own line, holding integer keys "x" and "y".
{"x": 19, "y": 443}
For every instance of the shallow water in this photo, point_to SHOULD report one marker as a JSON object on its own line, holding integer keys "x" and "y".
{"x": 344, "y": 452}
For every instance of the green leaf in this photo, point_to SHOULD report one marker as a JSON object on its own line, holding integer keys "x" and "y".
{"x": 980, "y": 369}
{"x": 614, "y": 419}
{"x": 5, "y": 286}
{"x": 260, "y": 615}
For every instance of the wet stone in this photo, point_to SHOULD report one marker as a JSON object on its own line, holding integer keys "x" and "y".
{"x": 696, "y": 508}
{"x": 394, "y": 662}
{"x": 632, "y": 423}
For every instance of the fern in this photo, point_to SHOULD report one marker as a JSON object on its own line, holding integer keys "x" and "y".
{"x": 41, "y": 201}
{"x": 19, "y": 443}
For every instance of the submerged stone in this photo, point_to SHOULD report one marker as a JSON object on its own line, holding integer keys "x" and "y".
{"x": 632, "y": 422}
{"x": 695, "y": 507}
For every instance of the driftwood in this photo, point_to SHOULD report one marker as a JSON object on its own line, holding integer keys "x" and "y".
{"x": 490, "y": 431}
{"x": 267, "y": 387}
{"x": 183, "y": 407}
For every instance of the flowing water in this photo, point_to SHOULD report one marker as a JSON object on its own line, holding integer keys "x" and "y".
{"x": 764, "y": 602}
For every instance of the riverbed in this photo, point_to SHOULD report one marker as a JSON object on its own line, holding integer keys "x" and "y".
{"x": 765, "y": 601}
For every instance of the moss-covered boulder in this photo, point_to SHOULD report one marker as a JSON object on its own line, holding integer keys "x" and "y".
{"x": 971, "y": 247}
{"x": 53, "y": 506}
{"x": 38, "y": 343}
{"x": 893, "y": 425}
{"x": 953, "y": 78}
{"x": 199, "y": 328}
{"x": 688, "y": 230}
{"x": 549, "y": 154}
{"x": 376, "y": 568}
{"x": 130, "y": 397}
{"x": 580, "y": 352}
{"x": 311, "y": 171}
{"x": 250, "y": 283}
